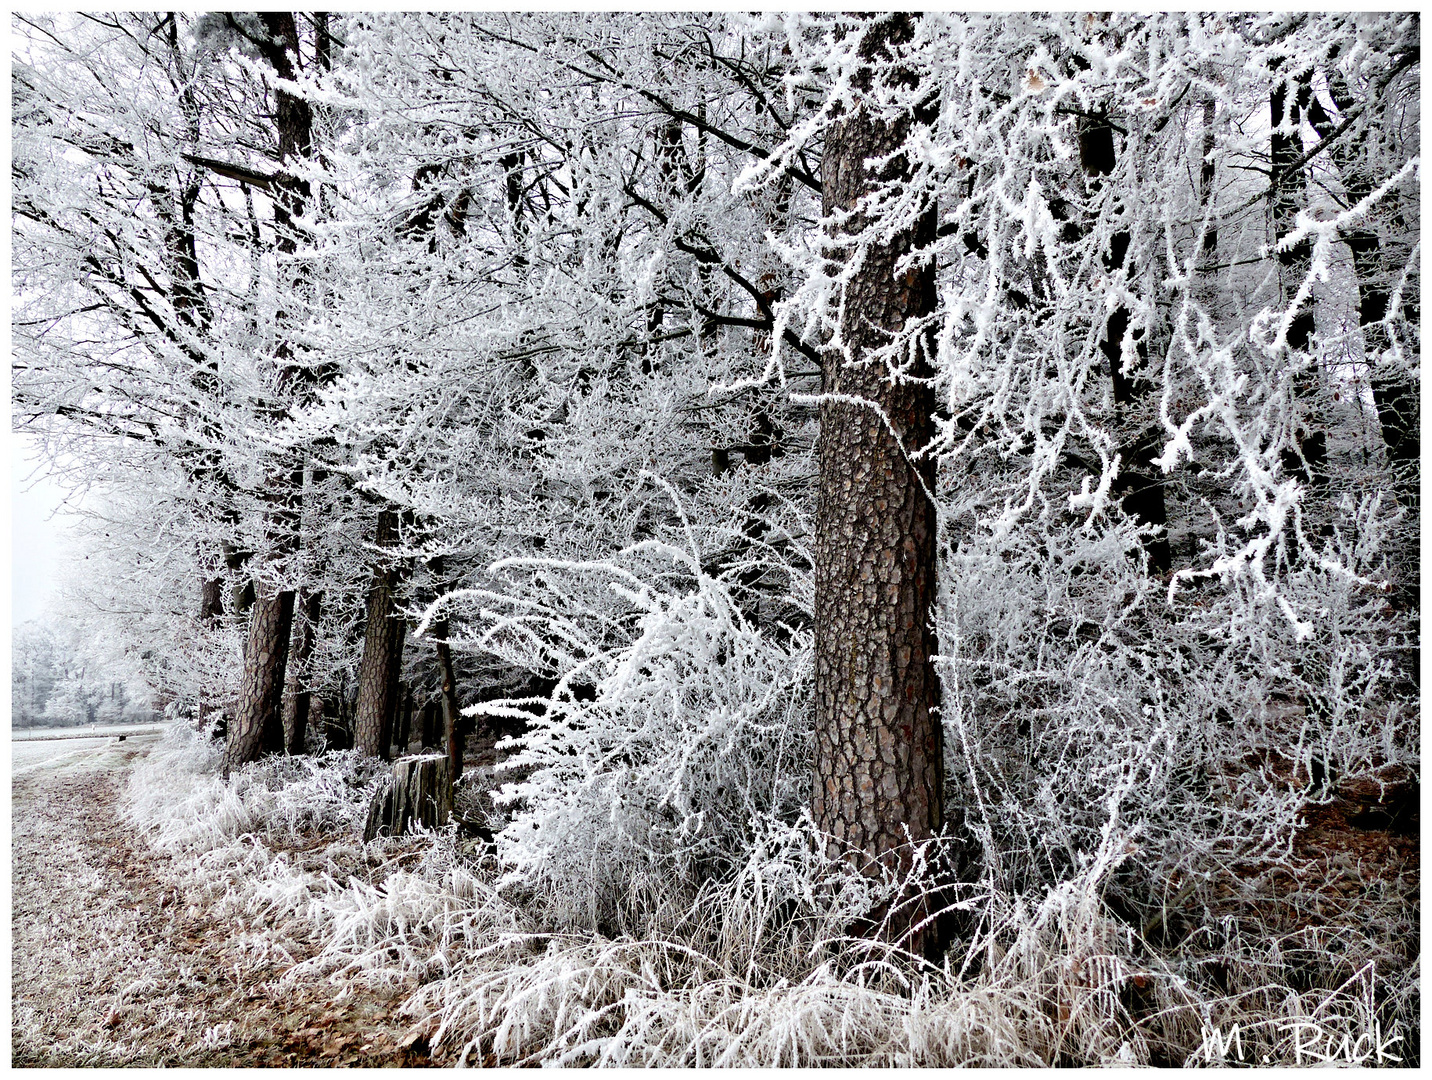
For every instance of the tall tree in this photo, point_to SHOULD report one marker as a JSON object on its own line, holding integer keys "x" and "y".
{"x": 382, "y": 651}
{"x": 258, "y": 719}
{"x": 297, "y": 689}
{"x": 878, "y": 761}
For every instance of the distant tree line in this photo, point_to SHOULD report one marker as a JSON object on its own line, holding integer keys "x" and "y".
{"x": 53, "y": 683}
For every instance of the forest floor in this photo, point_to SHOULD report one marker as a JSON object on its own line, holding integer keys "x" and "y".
{"x": 114, "y": 963}
{"x": 120, "y": 956}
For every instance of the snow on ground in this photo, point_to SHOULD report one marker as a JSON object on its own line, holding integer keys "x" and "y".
{"x": 162, "y": 915}
{"x": 26, "y": 756}
{"x": 89, "y": 731}
{"x": 118, "y": 960}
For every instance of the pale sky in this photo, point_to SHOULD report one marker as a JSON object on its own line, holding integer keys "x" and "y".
{"x": 37, "y": 534}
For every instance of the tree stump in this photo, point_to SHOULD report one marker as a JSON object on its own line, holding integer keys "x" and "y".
{"x": 420, "y": 791}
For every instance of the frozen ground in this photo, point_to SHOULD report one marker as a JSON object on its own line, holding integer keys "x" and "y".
{"x": 164, "y": 916}
{"x": 117, "y": 961}
{"x": 88, "y": 731}
{"x": 33, "y": 750}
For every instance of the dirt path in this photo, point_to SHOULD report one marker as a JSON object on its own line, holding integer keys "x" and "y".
{"x": 113, "y": 963}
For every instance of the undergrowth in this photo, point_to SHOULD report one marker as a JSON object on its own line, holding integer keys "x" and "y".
{"x": 1128, "y": 875}
{"x": 754, "y": 970}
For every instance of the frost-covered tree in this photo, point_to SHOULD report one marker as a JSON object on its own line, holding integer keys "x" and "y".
{"x": 35, "y": 668}
{"x": 68, "y": 670}
{"x": 879, "y": 765}
{"x": 965, "y": 442}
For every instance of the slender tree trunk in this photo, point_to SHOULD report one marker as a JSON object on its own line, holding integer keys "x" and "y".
{"x": 265, "y": 657}
{"x": 405, "y": 726}
{"x": 1308, "y": 459}
{"x": 1206, "y": 174}
{"x": 1139, "y": 483}
{"x": 452, "y": 737}
{"x": 393, "y": 722}
{"x": 382, "y": 650}
{"x": 878, "y": 753}
{"x": 428, "y": 724}
{"x": 297, "y": 697}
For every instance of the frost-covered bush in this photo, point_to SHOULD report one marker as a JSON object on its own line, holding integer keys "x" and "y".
{"x": 676, "y": 735}
{"x": 178, "y": 796}
{"x": 1204, "y": 720}
{"x": 754, "y": 968}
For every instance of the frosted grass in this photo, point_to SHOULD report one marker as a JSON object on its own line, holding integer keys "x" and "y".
{"x": 731, "y": 975}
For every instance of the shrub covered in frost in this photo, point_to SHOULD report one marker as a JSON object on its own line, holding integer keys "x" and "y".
{"x": 675, "y": 738}
{"x": 1071, "y": 679}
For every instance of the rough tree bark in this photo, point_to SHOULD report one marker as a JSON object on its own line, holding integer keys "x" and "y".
{"x": 382, "y": 644}
{"x": 878, "y": 753}
{"x": 265, "y": 657}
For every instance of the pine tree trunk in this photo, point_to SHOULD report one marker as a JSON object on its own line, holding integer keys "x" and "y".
{"x": 878, "y": 747}
{"x": 257, "y": 715}
{"x": 382, "y": 650}
{"x": 296, "y": 693}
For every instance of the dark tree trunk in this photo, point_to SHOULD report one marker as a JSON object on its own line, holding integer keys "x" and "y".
{"x": 452, "y": 737}
{"x": 878, "y": 748}
{"x": 333, "y": 714}
{"x": 392, "y": 723}
{"x": 382, "y": 652}
{"x": 242, "y": 597}
{"x": 1206, "y": 174}
{"x": 257, "y": 717}
{"x": 211, "y": 601}
{"x": 1139, "y": 483}
{"x": 296, "y": 693}
{"x": 430, "y": 720}
{"x": 404, "y": 719}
